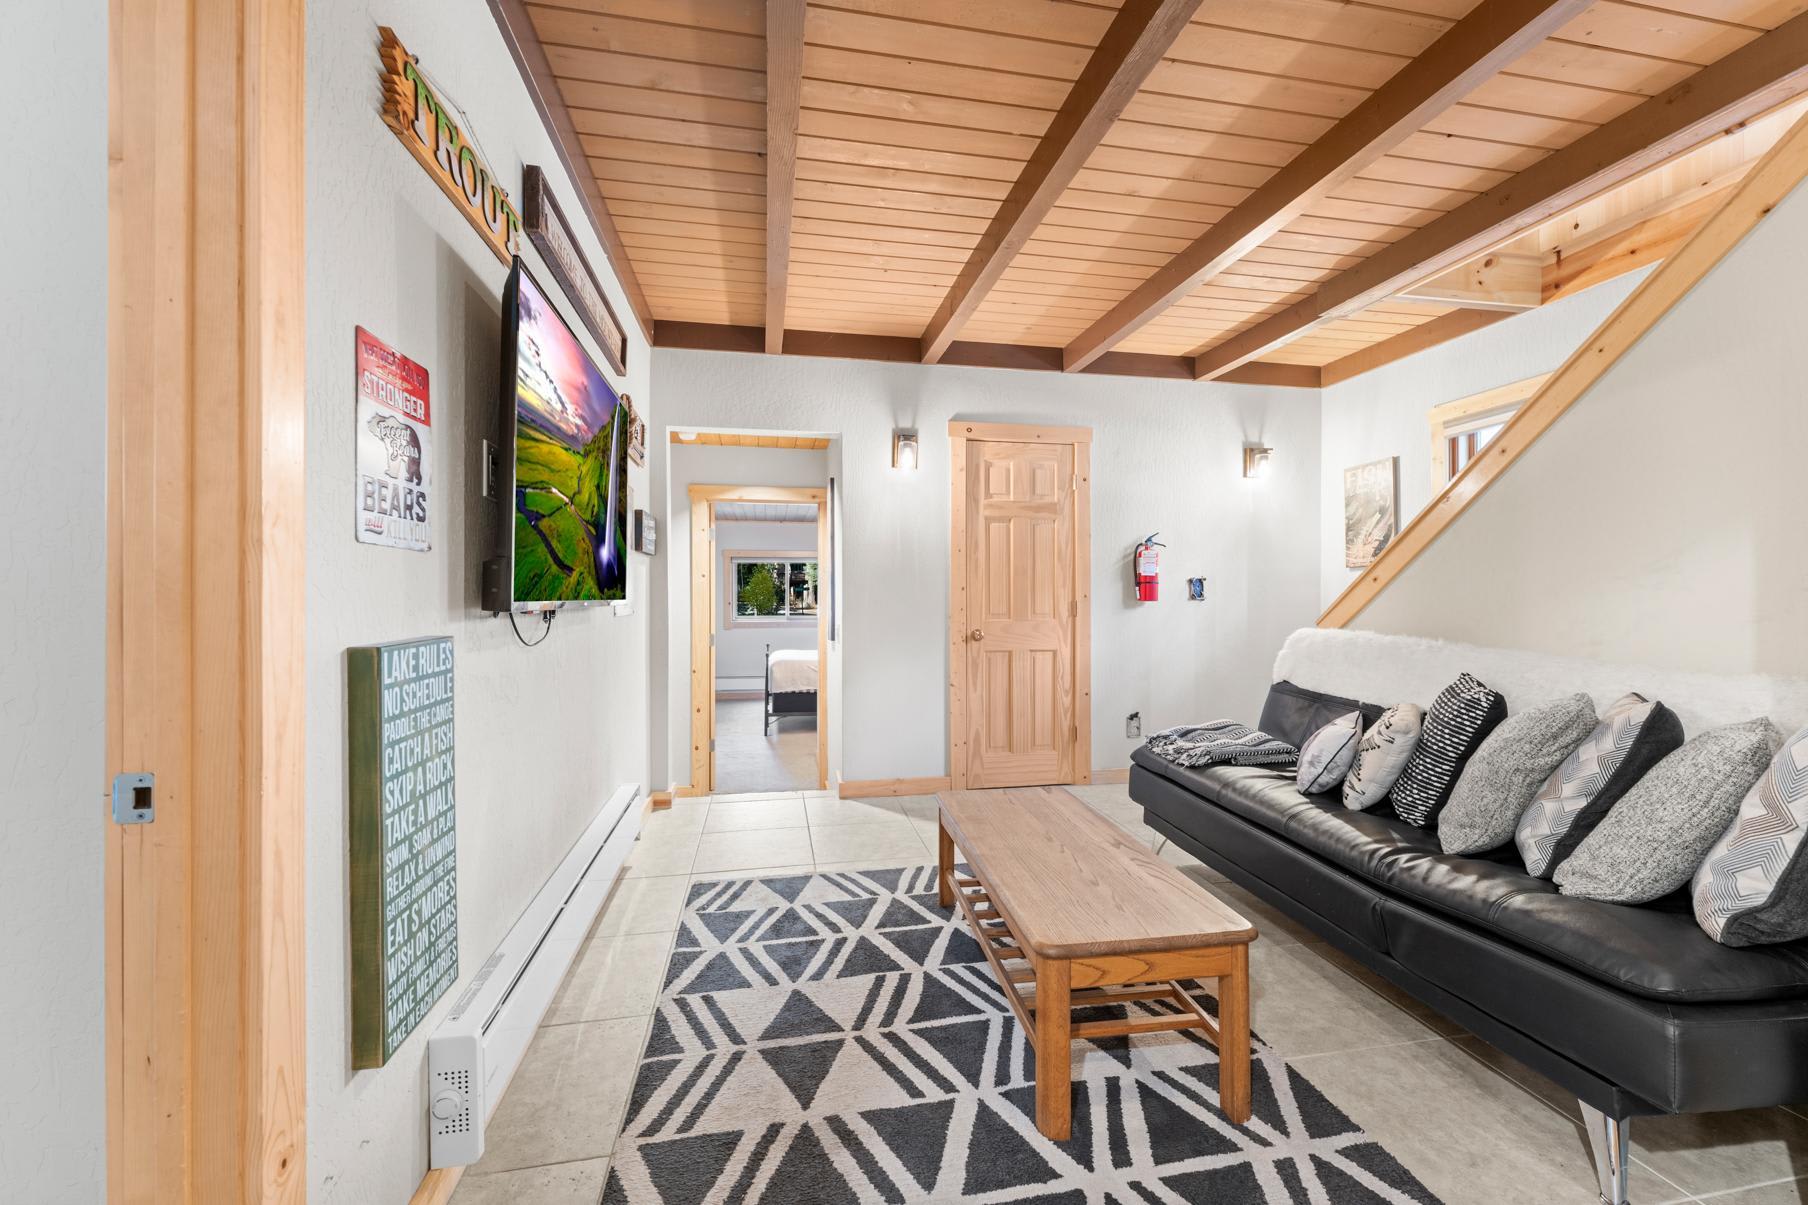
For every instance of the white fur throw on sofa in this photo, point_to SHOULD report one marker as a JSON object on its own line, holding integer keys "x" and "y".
{"x": 1386, "y": 670}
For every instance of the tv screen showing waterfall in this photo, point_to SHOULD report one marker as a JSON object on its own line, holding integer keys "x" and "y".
{"x": 566, "y": 538}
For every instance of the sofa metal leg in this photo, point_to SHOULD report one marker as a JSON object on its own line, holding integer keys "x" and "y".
{"x": 1607, "y": 1138}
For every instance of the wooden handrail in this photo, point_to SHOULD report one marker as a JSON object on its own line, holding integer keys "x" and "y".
{"x": 1774, "y": 177}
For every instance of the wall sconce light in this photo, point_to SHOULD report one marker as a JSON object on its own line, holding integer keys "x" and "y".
{"x": 904, "y": 450}
{"x": 1255, "y": 461}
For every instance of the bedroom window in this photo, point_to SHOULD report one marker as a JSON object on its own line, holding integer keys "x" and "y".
{"x": 769, "y": 588}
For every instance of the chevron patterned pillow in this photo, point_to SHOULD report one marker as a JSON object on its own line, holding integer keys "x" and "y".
{"x": 1659, "y": 834}
{"x": 1461, "y": 717}
{"x": 1753, "y": 888}
{"x": 1633, "y": 735}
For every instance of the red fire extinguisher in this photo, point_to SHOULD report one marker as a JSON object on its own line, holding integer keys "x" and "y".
{"x": 1146, "y": 566}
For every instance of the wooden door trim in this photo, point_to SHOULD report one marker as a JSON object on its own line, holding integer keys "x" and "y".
{"x": 205, "y": 1031}
{"x": 1011, "y": 434}
{"x": 959, "y": 434}
{"x": 703, "y": 601}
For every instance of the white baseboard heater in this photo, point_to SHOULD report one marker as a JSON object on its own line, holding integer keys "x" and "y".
{"x": 473, "y": 1054}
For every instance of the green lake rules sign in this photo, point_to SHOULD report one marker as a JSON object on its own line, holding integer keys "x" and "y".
{"x": 404, "y": 841}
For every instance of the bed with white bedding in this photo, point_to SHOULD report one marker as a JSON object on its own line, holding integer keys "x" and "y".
{"x": 791, "y": 683}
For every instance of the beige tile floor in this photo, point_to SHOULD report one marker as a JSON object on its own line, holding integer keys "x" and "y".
{"x": 1477, "y": 1127}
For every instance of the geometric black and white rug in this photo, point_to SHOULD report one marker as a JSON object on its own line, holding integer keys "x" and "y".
{"x": 836, "y": 1039}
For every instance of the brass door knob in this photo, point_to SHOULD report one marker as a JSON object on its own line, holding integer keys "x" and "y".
{"x": 976, "y": 634}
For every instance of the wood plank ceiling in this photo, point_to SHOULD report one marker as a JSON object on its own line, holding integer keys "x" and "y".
{"x": 1204, "y": 203}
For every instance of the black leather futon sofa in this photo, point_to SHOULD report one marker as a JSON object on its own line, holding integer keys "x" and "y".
{"x": 1633, "y": 1009}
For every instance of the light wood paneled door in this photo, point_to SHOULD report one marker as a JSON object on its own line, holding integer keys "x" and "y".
{"x": 1019, "y": 608}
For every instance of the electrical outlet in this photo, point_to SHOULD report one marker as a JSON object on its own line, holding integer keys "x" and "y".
{"x": 1133, "y": 725}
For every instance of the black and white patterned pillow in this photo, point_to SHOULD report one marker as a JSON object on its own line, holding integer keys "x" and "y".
{"x": 1633, "y": 735}
{"x": 1384, "y": 751}
{"x": 1462, "y": 716}
{"x": 1221, "y": 743}
{"x": 1659, "y": 834}
{"x": 1753, "y": 887}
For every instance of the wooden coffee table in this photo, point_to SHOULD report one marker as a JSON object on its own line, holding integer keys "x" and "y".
{"x": 1067, "y": 903}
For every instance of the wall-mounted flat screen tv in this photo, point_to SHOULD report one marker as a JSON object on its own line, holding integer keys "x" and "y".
{"x": 564, "y": 539}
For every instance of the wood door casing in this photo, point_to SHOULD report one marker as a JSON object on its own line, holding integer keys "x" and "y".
{"x": 705, "y": 608}
{"x": 1016, "y": 647}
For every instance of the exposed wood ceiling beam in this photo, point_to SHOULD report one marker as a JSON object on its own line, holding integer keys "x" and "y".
{"x": 1439, "y": 330}
{"x": 1644, "y": 241}
{"x": 1758, "y": 76}
{"x": 784, "y": 87}
{"x": 1469, "y": 53}
{"x": 530, "y": 59}
{"x": 1137, "y": 38}
{"x": 706, "y": 336}
{"x": 1499, "y": 280}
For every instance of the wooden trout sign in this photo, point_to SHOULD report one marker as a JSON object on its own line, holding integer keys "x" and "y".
{"x": 424, "y": 124}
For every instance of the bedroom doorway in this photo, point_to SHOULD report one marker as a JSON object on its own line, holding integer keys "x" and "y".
{"x": 760, "y": 562}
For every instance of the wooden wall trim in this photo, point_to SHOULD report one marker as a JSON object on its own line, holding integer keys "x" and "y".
{"x": 436, "y": 1186}
{"x": 1748, "y": 82}
{"x": 874, "y": 788}
{"x": 705, "y": 336}
{"x": 530, "y": 59}
{"x": 1132, "y": 46}
{"x": 1263, "y": 372}
{"x": 1465, "y": 56}
{"x": 1774, "y": 177}
{"x": 784, "y": 89}
{"x": 205, "y": 1034}
{"x": 1441, "y": 329}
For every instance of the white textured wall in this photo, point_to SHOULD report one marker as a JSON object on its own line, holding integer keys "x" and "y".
{"x": 741, "y": 649}
{"x": 1167, "y": 456}
{"x": 1660, "y": 520}
{"x": 544, "y": 734}
{"x": 676, "y": 467}
{"x": 53, "y": 563}
{"x": 1386, "y": 412}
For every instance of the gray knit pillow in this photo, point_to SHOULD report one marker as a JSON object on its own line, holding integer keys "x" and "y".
{"x": 1660, "y": 831}
{"x": 1385, "y": 749}
{"x": 1503, "y": 777}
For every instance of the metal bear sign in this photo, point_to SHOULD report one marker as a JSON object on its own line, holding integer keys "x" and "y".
{"x": 395, "y": 443}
